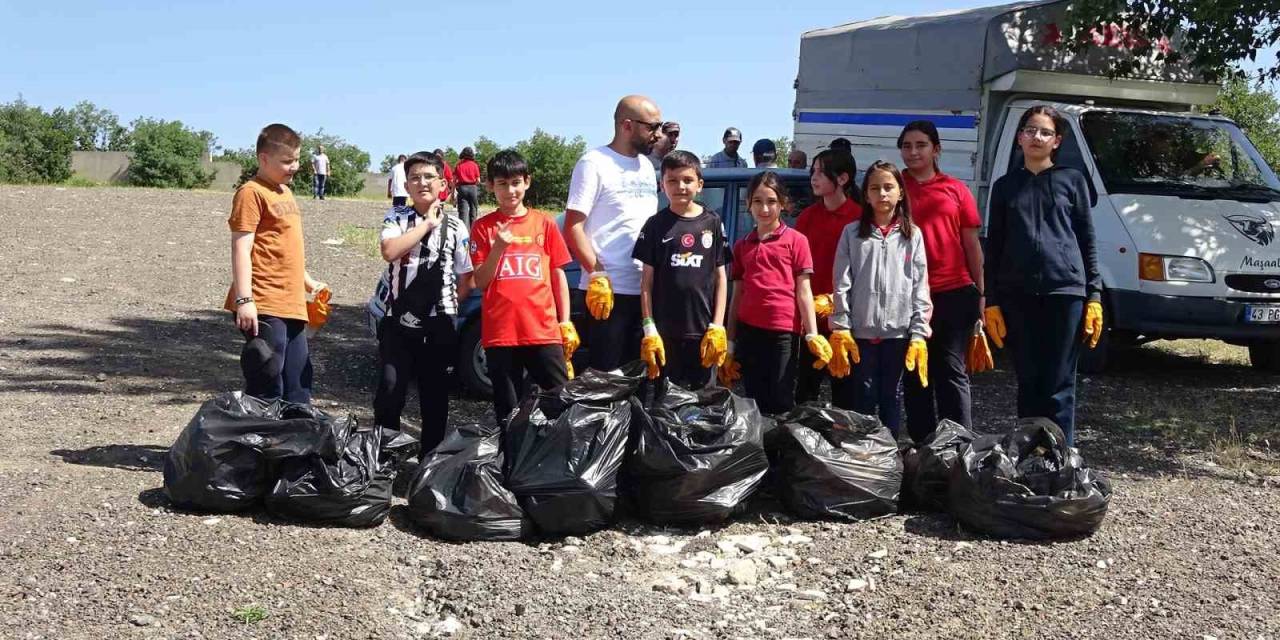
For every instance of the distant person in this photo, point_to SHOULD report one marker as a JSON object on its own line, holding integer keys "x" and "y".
{"x": 430, "y": 269}
{"x": 842, "y": 144}
{"x": 467, "y": 174}
{"x": 520, "y": 258}
{"x": 797, "y": 160}
{"x": 269, "y": 279}
{"x": 728, "y": 158}
{"x": 612, "y": 192}
{"x": 320, "y": 173}
{"x": 449, "y": 184}
{"x": 396, "y": 183}
{"x": 666, "y": 144}
{"x": 765, "y": 154}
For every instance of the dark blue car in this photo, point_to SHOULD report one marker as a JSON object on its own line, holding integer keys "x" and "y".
{"x": 725, "y": 191}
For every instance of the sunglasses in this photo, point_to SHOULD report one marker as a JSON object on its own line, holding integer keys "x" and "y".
{"x": 653, "y": 126}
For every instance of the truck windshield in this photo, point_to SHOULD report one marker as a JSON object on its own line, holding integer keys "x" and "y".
{"x": 1178, "y": 156}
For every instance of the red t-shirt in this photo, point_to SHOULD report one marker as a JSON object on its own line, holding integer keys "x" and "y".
{"x": 467, "y": 172}
{"x": 766, "y": 270}
{"x": 822, "y": 227}
{"x": 519, "y": 307}
{"x": 941, "y": 207}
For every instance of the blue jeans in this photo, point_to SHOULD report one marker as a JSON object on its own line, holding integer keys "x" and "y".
{"x": 877, "y": 380}
{"x": 289, "y": 341}
{"x": 1045, "y": 339}
{"x": 318, "y": 184}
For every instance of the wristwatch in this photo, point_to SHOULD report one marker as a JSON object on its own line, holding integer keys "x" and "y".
{"x": 243, "y": 301}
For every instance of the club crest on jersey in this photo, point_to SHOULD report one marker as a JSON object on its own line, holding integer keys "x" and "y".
{"x": 708, "y": 238}
{"x": 686, "y": 259}
{"x": 686, "y": 240}
{"x": 520, "y": 266}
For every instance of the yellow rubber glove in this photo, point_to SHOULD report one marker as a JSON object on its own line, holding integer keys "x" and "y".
{"x": 600, "y": 295}
{"x": 918, "y": 359}
{"x": 995, "y": 325}
{"x": 568, "y": 367}
{"x": 820, "y": 348}
{"x": 653, "y": 353}
{"x": 729, "y": 372}
{"x": 1093, "y": 323}
{"x": 714, "y": 346}
{"x": 844, "y": 353}
{"x": 823, "y": 306}
{"x": 979, "y": 358}
{"x": 569, "y": 338}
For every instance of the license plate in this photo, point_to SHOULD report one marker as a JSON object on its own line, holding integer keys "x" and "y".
{"x": 1262, "y": 313}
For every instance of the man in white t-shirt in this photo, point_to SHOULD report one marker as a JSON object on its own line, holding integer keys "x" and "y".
{"x": 396, "y": 183}
{"x": 320, "y": 173}
{"x": 612, "y": 193}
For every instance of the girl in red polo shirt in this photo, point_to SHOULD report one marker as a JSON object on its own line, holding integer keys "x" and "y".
{"x": 772, "y": 303}
{"x": 836, "y": 204}
{"x": 947, "y": 215}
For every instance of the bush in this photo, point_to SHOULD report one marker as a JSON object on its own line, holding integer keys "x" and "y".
{"x": 32, "y": 147}
{"x": 551, "y": 160}
{"x": 166, "y": 154}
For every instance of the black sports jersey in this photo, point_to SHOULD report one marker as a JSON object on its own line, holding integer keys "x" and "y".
{"x": 684, "y": 254}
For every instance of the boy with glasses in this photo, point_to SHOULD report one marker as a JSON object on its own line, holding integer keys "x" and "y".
{"x": 430, "y": 266}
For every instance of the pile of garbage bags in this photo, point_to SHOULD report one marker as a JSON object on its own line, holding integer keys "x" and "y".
{"x": 302, "y": 463}
{"x": 684, "y": 458}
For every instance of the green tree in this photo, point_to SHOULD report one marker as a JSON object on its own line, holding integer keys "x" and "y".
{"x": 451, "y": 156}
{"x": 1217, "y": 36}
{"x": 347, "y": 165}
{"x": 784, "y": 149}
{"x": 32, "y": 147}
{"x": 388, "y": 161}
{"x": 91, "y": 128}
{"x": 167, "y": 154}
{"x": 551, "y": 159}
{"x": 1257, "y": 111}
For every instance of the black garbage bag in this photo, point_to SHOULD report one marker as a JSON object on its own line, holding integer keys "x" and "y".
{"x": 457, "y": 493}
{"x": 220, "y": 462}
{"x": 564, "y": 448}
{"x": 832, "y": 463}
{"x": 929, "y": 474}
{"x": 697, "y": 456}
{"x": 352, "y": 491}
{"x": 1027, "y": 484}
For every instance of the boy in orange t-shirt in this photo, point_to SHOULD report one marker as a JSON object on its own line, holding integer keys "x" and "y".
{"x": 519, "y": 257}
{"x": 268, "y": 268}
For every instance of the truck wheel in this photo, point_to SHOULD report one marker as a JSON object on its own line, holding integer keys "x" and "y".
{"x": 471, "y": 363}
{"x": 1265, "y": 355}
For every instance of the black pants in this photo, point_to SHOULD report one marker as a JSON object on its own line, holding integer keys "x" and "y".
{"x": 424, "y": 354}
{"x": 507, "y": 367}
{"x": 289, "y": 342}
{"x": 1045, "y": 338}
{"x": 615, "y": 341}
{"x": 877, "y": 380}
{"x": 468, "y": 204}
{"x": 399, "y": 201}
{"x": 684, "y": 365}
{"x": 768, "y": 360}
{"x": 809, "y": 382}
{"x": 947, "y": 397}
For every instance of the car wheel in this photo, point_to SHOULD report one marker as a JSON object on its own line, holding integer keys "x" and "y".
{"x": 1265, "y": 355}
{"x": 472, "y": 366}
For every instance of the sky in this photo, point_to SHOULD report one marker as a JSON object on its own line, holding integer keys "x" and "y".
{"x": 397, "y": 77}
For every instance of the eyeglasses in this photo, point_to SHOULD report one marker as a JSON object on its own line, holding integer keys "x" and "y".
{"x": 422, "y": 177}
{"x": 1037, "y": 132}
{"x": 653, "y": 126}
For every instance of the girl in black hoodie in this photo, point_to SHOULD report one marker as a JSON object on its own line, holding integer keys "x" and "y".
{"x": 1041, "y": 271}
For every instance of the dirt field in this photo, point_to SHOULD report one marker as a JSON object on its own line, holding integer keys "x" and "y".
{"x": 111, "y": 336}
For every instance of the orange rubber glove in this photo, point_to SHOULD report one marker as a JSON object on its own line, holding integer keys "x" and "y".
{"x": 823, "y": 305}
{"x": 1092, "y": 323}
{"x": 569, "y": 338}
{"x": 729, "y": 372}
{"x": 714, "y": 346}
{"x": 979, "y": 358}
{"x": 318, "y": 308}
{"x": 844, "y": 353}
{"x": 995, "y": 325}
{"x": 600, "y": 296}
{"x": 918, "y": 359}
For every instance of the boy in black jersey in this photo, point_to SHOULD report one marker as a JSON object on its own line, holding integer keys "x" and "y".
{"x": 684, "y": 285}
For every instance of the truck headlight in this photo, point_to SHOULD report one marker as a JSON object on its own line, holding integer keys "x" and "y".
{"x": 1159, "y": 268}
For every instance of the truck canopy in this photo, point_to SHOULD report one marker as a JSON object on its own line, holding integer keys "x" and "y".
{"x": 944, "y": 62}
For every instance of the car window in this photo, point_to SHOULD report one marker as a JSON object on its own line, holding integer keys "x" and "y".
{"x": 712, "y": 197}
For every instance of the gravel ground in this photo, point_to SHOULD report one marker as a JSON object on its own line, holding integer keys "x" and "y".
{"x": 110, "y": 337}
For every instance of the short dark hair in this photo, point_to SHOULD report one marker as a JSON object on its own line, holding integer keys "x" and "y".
{"x": 681, "y": 159}
{"x": 507, "y": 164}
{"x": 278, "y": 136}
{"x": 423, "y": 157}
{"x": 771, "y": 180}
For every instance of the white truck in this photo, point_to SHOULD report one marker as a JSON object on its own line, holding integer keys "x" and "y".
{"x": 1186, "y": 211}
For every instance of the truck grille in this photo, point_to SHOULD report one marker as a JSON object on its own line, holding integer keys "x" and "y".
{"x": 1254, "y": 283}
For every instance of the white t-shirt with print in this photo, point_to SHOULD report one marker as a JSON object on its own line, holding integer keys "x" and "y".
{"x": 617, "y": 193}
{"x": 398, "y": 181}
